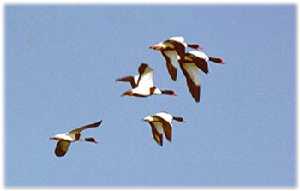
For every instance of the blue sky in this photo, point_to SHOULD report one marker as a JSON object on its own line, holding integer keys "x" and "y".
{"x": 61, "y": 63}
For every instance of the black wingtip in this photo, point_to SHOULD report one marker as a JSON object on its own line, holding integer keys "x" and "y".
{"x": 98, "y": 123}
{"x": 174, "y": 77}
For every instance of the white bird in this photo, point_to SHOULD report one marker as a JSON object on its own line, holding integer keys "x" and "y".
{"x": 191, "y": 63}
{"x": 65, "y": 139}
{"x": 171, "y": 49}
{"x": 142, "y": 84}
{"x": 161, "y": 123}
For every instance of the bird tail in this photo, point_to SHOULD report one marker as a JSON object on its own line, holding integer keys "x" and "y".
{"x": 216, "y": 60}
{"x": 179, "y": 119}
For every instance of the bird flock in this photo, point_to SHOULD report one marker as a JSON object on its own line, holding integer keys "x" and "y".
{"x": 174, "y": 52}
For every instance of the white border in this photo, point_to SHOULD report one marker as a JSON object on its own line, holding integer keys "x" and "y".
{"x": 259, "y": 2}
{"x": 2, "y": 93}
{"x": 149, "y": 2}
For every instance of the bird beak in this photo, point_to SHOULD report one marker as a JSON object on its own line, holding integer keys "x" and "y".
{"x": 155, "y": 47}
{"x": 52, "y": 138}
{"x": 145, "y": 120}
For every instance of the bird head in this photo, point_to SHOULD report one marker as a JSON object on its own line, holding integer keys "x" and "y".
{"x": 158, "y": 46}
{"x": 169, "y": 92}
{"x": 148, "y": 119}
{"x": 91, "y": 139}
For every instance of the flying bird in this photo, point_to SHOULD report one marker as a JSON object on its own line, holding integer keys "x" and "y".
{"x": 142, "y": 84}
{"x": 161, "y": 124}
{"x": 171, "y": 49}
{"x": 191, "y": 64}
{"x": 65, "y": 139}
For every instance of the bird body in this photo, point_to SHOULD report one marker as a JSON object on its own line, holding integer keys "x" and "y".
{"x": 166, "y": 116}
{"x": 144, "y": 86}
{"x": 133, "y": 80}
{"x": 161, "y": 124}
{"x": 64, "y": 136}
{"x": 65, "y": 139}
{"x": 191, "y": 64}
{"x": 171, "y": 49}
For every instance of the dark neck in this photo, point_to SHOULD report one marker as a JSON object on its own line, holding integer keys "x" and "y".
{"x": 216, "y": 60}
{"x": 179, "y": 119}
{"x": 167, "y": 92}
{"x": 90, "y": 139}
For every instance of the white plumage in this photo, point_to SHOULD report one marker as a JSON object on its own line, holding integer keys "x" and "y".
{"x": 161, "y": 124}
{"x": 199, "y": 54}
{"x": 193, "y": 72}
{"x": 142, "y": 84}
{"x": 65, "y": 139}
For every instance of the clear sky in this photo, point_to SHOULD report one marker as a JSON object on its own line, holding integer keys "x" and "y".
{"x": 61, "y": 63}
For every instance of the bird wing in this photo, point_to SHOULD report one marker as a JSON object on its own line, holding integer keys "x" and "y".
{"x": 92, "y": 125}
{"x": 190, "y": 72}
{"x": 170, "y": 56}
{"x": 201, "y": 64}
{"x": 178, "y": 46}
{"x": 199, "y": 53}
{"x": 166, "y": 127}
{"x": 62, "y": 148}
{"x": 200, "y": 59}
{"x": 128, "y": 79}
{"x": 156, "y": 135}
{"x": 145, "y": 79}
{"x": 166, "y": 116}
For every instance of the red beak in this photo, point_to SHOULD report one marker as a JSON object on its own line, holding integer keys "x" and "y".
{"x": 155, "y": 47}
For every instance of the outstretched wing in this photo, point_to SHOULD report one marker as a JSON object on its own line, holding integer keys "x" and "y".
{"x": 200, "y": 59}
{"x": 62, "y": 148}
{"x": 145, "y": 79}
{"x": 178, "y": 46}
{"x": 201, "y": 64}
{"x": 92, "y": 125}
{"x": 156, "y": 135}
{"x": 190, "y": 72}
{"x": 130, "y": 79}
{"x": 171, "y": 58}
{"x": 166, "y": 126}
